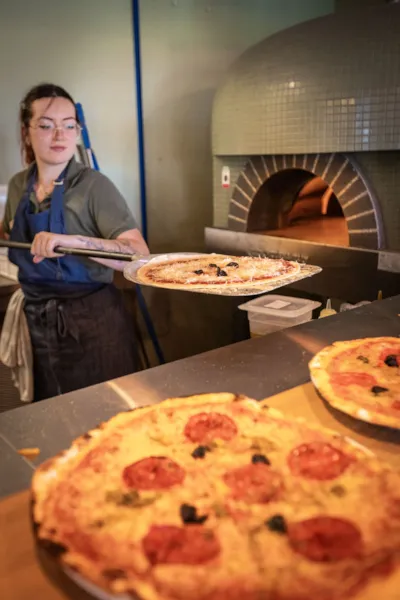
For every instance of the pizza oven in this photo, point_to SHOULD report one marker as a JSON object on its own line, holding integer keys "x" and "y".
{"x": 306, "y": 140}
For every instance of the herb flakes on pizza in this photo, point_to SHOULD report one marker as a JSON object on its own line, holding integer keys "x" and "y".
{"x": 213, "y": 271}
{"x": 361, "y": 378}
{"x": 218, "y": 497}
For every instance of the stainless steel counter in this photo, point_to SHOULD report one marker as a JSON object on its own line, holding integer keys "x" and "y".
{"x": 259, "y": 368}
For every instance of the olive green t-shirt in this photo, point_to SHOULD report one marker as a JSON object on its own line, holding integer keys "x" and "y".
{"x": 93, "y": 207}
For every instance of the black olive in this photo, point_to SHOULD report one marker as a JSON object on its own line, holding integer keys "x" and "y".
{"x": 213, "y": 265}
{"x": 99, "y": 523}
{"x": 189, "y": 515}
{"x": 260, "y": 458}
{"x": 200, "y": 451}
{"x": 232, "y": 264}
{"x": 221, "y": 273}
{"x": 377, "y": 389}
{"x": 363, "y": 359}
{"x": 391, "y": 360}
{"x": 114, "y": 574}
{"x": 338, "y": 490}
{"x": 277, "y": 523}
{"x": 199, "y": 272}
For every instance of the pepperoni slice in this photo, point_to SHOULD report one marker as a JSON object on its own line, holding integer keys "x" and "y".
{"x": 191, "y": 545}
{"x": 153, "y": 473}
{"x": 318, "y": 460}
{"x": 206, "y": 427}
{"x": 350, "y": 378}
{"x": 254, "y": 483}
{"x": 326, "y": 539}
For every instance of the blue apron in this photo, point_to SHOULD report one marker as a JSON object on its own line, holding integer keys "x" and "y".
{"x": 62, "y": 276}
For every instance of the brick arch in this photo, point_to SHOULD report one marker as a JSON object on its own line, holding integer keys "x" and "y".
{"x": 339, "y": 171}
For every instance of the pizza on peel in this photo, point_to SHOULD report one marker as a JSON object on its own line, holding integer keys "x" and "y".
{"x": 218, "y": 497}
{"x": 216, "y": 270}
{"x": 361, "y": 378}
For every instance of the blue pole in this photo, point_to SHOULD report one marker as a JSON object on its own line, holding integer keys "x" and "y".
{"x": 149, "y": 325}
{"x": 139, "y": 112}
{"x": 142, "y": 168}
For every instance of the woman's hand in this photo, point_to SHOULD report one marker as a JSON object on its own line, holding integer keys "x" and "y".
{"x": 44, "y": 243}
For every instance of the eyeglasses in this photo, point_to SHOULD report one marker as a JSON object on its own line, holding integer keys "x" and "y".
{"x": 48, "y": 128}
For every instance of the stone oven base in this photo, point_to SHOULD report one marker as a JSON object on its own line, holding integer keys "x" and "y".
{"x": 323, "y": 230}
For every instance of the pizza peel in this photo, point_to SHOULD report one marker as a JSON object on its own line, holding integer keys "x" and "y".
{"x": 79, "y": 251}
{"x": 136, "y": 261}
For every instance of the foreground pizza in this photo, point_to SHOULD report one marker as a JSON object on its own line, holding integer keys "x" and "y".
{"x": 217, "y": 497}
{"x": 216, "y": 270}
{"x": 361, "y": 378}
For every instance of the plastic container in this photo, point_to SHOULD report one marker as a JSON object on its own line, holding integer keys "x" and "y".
{"x": 271, "y": 313}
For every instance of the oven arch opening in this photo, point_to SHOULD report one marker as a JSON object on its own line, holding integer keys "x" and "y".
{"x": 266, "y": 188}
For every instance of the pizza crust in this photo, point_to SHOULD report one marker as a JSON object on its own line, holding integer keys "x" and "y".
{"x": 195, "y": 281}
{"x": 58, "y": 468}
{"x": 318, "y": 367}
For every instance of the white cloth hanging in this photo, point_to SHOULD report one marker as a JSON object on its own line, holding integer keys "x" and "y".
{"x": 16, "y": 347}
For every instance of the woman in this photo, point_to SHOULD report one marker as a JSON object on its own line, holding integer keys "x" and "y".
{"x": 80, "y": 332}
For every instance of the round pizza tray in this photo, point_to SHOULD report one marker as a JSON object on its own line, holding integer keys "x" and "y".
{"x": 72, "y": 584}
{"x": 94, "y": 590}
{"x": 369, "y": 417}
{"x": 131, "y": 273}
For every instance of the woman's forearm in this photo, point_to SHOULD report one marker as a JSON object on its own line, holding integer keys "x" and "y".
{"x": 123, "y": 245}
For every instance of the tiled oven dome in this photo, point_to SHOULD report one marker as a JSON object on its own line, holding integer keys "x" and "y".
{"x": 328, "y": 85}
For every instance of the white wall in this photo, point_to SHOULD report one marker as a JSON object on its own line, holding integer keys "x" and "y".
{"x": 187, "y": 46}
{"x": 85, "y": 46}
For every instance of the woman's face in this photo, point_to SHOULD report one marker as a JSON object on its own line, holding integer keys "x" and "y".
{"x": 53, "y": 130}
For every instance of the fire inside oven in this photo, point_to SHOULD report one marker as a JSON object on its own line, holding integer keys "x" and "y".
{"x": 299, "y": 205}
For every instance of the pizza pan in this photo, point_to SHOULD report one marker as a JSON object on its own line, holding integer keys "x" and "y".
{"x": 94, "y": 590}
{"x": 365, "y": 415}
{"x": 68, "y": 580}
{"x": 131, "y": 273}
